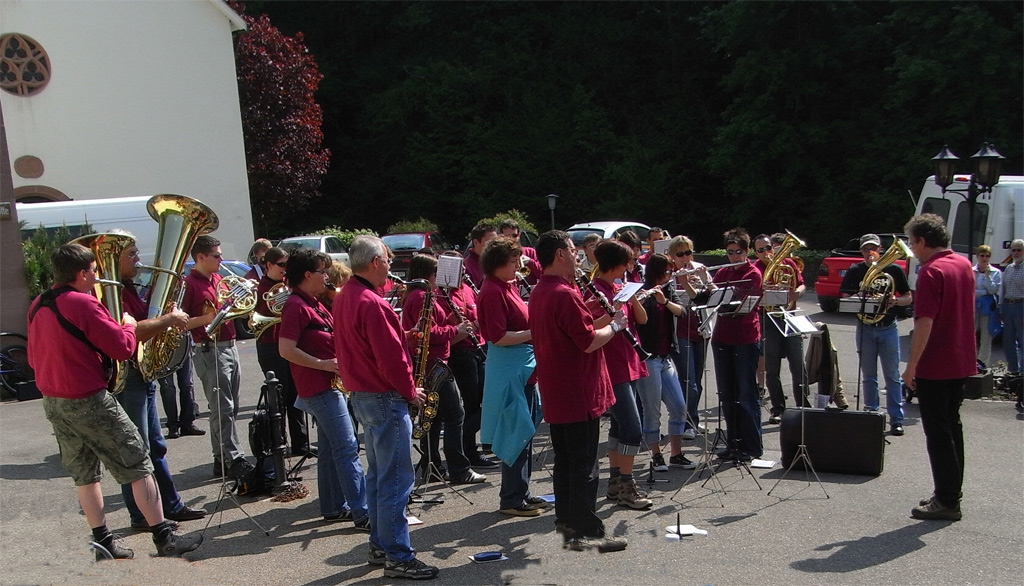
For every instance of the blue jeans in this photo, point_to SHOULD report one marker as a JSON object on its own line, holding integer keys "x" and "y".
{"x": 625, "y": 435}
{"x": 690, "y": 365}
{"x": 661, "y": 386}
{"x": 387, "y": 433}
{"x": 876, "y": 344}
{"x": 339, "y": 473}
{"x": 1013, "y": 335}
{"x": 185, "y": 395}
{"x": 736, "y": 374}
{"x": 138, "y": 399}
{"x": 515, "y": 479}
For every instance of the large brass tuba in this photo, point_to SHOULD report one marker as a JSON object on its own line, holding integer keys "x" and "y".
{"x": 877, "y": 285}
{"x": 108, "y": 249}
{"x": 181, "y": 220}
{"x": 779, "y": 276}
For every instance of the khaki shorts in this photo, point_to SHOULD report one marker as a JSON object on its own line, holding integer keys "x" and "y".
{"x": 94, "y": 430}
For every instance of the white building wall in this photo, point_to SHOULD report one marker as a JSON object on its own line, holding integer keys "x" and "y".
{"x": 143, "y": 99}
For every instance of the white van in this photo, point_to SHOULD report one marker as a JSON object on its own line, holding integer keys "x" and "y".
{"x": 102, "y": 215}
{"x": 998, "y": 216}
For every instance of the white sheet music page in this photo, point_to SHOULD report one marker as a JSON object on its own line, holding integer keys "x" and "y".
{"x": 720, "y": 296}
{"x": 627, "y": 292}
{"x": 449, "y": 272}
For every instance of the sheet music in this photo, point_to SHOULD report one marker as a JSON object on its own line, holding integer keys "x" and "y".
{"x": 748, "y": 304}
{"x": 627, "y": 292}
{"x": 720, "y": 296}
{"x": 449, "y": 272}
{"x": 661, "y": 246}
{"x": 802, "y": 324}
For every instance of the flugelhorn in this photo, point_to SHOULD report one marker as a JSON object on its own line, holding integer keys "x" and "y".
{"x": 108, "y": 249}
{"x": 181, "y": 220}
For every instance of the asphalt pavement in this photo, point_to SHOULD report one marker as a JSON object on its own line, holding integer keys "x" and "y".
{"x": 772, "y": 527}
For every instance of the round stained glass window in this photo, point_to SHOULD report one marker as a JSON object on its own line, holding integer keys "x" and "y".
{"x": 24, "y": 65}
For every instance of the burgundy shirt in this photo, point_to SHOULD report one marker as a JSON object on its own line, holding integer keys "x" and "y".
{"x": 198, "y": 291}
{"x": 742, "y": 329}
{"x": 262, "y": 308}
{"x": 369, "y": 342}
{"x": 441, "y": 333}
{"x": 945, "y": 293}
{"x": 472, "y": 266}
{"x": 306, "y": 321}
{"x": 132, "y": 304}
{"x": 574, "y": 385}
{"x": 533, "y": 264}
{"x": 65, "y": 366}
{"x": 624, "y": 365}
{"x": 501, "y": 310}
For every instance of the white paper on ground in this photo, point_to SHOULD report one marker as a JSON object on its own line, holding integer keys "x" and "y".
{"x": 684, "y": 530}
{"x": 413, "y": 520}
{"x": 548, "y": 497}
{"x": 757, "y": 463}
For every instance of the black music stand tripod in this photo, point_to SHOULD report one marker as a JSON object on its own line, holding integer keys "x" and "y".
{"x": 790, "y": 324}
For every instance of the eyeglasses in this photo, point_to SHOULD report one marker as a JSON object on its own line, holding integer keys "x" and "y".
{"x": 683, "y": 253}
{"x": 763, "y": 249}
{"x": 734, "y": 252}
{"x": 870, "y": 248}
{"x": 321, "y": 271}
{"x": 385, "y": 260}
{"x": 282, "y": 264}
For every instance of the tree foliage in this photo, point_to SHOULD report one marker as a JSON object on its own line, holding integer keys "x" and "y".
{"x": 281, "y": 122}
{"x": 696, "y": 116}
{"x": 37, "y": 250}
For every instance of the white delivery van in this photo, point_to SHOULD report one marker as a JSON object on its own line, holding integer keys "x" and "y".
{"x": 102, "y": 215}
{"x": 998, "y": 216}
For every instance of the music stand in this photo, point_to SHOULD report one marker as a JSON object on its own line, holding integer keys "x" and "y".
{"x": 790, "y": 324}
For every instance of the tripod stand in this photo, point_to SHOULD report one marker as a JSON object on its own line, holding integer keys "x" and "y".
{"x": 430, "y": 469}
{"x": 790, "y": 324}
{"x": 226, "y": 490}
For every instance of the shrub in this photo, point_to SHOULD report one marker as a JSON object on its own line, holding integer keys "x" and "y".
{"x": 525, "y": 224}
{"x": 37, "y": 250}
{"x": 420, "y": 225}
{"x": 346, "y": 236}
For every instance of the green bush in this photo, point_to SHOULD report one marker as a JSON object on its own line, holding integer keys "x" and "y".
{"x": 525, "y": 224}
{"x": 37, "y": 250}
{"x": 346, "y": 236}
{"x": 420, "y": 225}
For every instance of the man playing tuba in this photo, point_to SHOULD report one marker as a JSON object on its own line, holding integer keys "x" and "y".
{"x": 879, "y": 341}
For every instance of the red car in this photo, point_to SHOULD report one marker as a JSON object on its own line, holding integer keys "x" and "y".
{"x": 405, "y": 244}
{"x": 833, "y": 268}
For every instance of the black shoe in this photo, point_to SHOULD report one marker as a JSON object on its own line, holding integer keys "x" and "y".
{"x": 339, "y": 518}
{"x": 218, "y": 469}
{"x": 469, "y": 477}
{"x": 479, "y": 461}
{"x": 192, "y": 430}
{"x": 412, "y": 569}
{"x": 775, "y": 420}
{"x": 363, "y": 525}
{"x": 174, "y": 544}
{"x": 897, "y": 429}
{"x": 726, "y": 455}
{"x": 185, "y": 513}
{"x": 114, "y": 552}
{"x": 240, "y": 469}
{"x": 144, "y": 526}
{"x": 172, "y": 433}
{"x": 376, "y": 557}
{"x": 601, "y": 544}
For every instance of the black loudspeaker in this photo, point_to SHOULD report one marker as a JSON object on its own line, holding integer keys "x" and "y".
{"x": 840, "y": 441}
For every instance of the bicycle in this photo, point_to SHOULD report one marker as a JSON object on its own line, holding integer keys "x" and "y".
{"x": 17, "y": 378}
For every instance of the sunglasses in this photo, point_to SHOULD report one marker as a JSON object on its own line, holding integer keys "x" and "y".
{"x": 733, "y": 252}
{"x": 684, "y": 253}
{"x": 765, "y": 249}
{"x": 282, "y": 264}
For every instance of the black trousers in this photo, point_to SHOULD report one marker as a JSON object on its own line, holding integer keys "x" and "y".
{"x": 270, "y": 359}
{"x": 468, "y": 368}
{"x": 575, "y": 478}
{"x": 450, "y": 416}
{"x": 939, "y": 402}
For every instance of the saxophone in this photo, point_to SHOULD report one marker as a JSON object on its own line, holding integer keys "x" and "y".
{"x": 427, "y": 376}
{"x": 878, "y": 286}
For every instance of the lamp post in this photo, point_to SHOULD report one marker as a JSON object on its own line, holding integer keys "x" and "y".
{"x": 552, "y": 201}
{"x": 987, "y": 162}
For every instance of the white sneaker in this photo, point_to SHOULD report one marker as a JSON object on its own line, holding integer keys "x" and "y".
{"x": 689, "y": 434}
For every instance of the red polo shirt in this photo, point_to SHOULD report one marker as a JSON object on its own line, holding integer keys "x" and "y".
{"x": 573, "y": 384}
{"x": 743, "y": 329}
{"x": 945, "y": 293}
{"x": 306, "y": 321}
{"x": 502, "y": 310}
{"x": 65, "y": 366}
{"x": 463, "y": 298}
{"x": 624, "y": 365}
{"x": 472, "y": 266}
{"x": 131, "y": 302}
{"x": 369, "y": 342}
{"x": 441, "y": 334}
{"x": 201, "y": 292}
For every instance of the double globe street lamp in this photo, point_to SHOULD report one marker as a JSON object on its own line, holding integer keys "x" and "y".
{"x": 987, "y": 163}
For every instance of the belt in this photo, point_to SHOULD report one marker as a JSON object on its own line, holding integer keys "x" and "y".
{"x": 205, "y": 345}
{"x": 1013, "y": 301}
